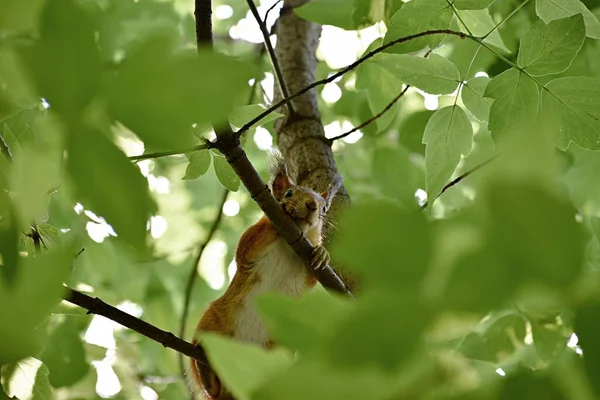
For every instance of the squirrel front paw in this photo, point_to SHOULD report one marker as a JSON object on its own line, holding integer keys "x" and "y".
{"x": 320, "y": 257}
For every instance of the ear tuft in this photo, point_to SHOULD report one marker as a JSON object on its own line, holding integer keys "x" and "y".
{"x": 281, "y": 181}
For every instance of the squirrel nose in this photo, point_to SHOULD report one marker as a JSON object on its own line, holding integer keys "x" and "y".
{"x": 311, "y": 204}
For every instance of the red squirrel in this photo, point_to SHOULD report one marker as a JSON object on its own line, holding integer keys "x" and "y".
{"x": 265, "y": 263}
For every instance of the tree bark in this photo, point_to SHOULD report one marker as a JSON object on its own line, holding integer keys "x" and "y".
{"x": 300, "y": 135}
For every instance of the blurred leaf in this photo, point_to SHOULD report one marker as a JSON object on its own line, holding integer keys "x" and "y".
{"x": 241, "y": 116}
{"x": 418, "y": 16}
{"x": 367, "y": 238}
{"x": 64, "y": 354}
{"x": 9, "y": 247}
{"x": 94, "y": 164}
{"x": 65, "y": 62}
{"x": 536, "y": 233}
{"x": 550, "y": 10}
{"x": 448, "y": 135}
{"x": 36, "y": 291}
{"x": 530, "y": 385}
{"x": 243, "y": 367}
{"x": 434, "y": 75}
{"x": 412, "y": 130}
{"x": 587, "y": 329}
{"x": 198, "y": 165}
{"x": 193, "y": 89}
{"x": 471, "y": 95}
{"x": 550, "y": 49}
{"x": 388, "y": 165}
{"x": 571, "y": 103}
{"x": 305, "y": 325}
{"x": 338, "y": 13}
{"x": 18, "y": 15}
{"x": 516, "y": 101}
{"x": 226, "y": 174}
{"x": 549, "y": 341}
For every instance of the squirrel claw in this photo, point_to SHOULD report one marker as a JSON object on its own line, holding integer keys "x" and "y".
{"x": 320, "y": 257}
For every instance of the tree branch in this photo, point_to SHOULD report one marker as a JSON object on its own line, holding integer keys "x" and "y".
{"x": 276, "y": 67}
{"x": 373, "y": 118}
{"x": 194, "y": 272}
{"x": 167, "y": 339}
{"x": 206, "y": 145}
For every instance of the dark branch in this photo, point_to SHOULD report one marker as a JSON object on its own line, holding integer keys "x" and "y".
{"x": 460, "y": 178}
{"x": 276, "y": 67}
{"x": 167, "y": 339}
{"x": 194, "y": 272}
{"x": 6, "y": 150}
{"x": 373, "y": 118}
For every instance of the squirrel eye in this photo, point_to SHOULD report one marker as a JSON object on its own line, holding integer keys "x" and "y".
{"x": 325, "y": 208}
{"x": 288, "y": 193}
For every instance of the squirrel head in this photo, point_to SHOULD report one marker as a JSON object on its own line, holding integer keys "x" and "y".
{"x": 303, "y": 204}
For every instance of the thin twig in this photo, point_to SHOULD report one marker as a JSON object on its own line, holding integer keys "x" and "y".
{"x": 373, "y": 118}
{"x": 349, "y": 68}
{"x": 167, "y": 339}
{"x": 274, "y": 61}
{"x": 6, "y": 150}
{"x": 269, "y": 10}
{"x": 460, "y": 178}
{"x": 205, "y": 145}
{"x": 193, "y": 275}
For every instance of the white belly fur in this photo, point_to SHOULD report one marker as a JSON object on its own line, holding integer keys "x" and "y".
{"x": 280, "y": 270}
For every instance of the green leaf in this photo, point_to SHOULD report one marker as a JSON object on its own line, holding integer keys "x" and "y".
{"x": 388, "y": 164}
{"x": 550, "y": 49}
{"x": 65, "y": 62}
{"x": 243, "y": 367}
{"x": 35, "y": 292}
{"x": 50, "y": 234}
{"x": 356, "y": 342}
{"x": 41, "y": 387}
{"x": 329, "y": 12}
{"x": 9, "y": 246}
{"x": 382, "y": 87}
{"x": 550, "y": 10}
{"x": 516, "y": 101}
{"x": 549, "y": 340}
{"x": 480, "y": 24}
{"x": 18, "y": 15}
{"x": 434, "y": 75}
{"x": 418, "y": 16}
{"x": 160, "y": 94}
{"x": 369, "y": 239}
{"x": 241, "y": 116}
{"x": 198, "y": 165}
{"x": 110, "y": 185}
{"x": 571, "y": 103}
{"x": 528, "y": 384}
{"x": 448, "y": 135}
{"x": 471, "y": 95}
{"x": 305, "y": 325}
{"x": 36, "y": 173}
{"x": 472, "y": 4}
{"x": 64, "y": 354}
{"x": 226, "y": 174}
{"x": 536, "y": 233}
{"x": 587, "y": 329}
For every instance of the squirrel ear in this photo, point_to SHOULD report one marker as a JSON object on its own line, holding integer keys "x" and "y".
{"x": 281, "y": 183}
